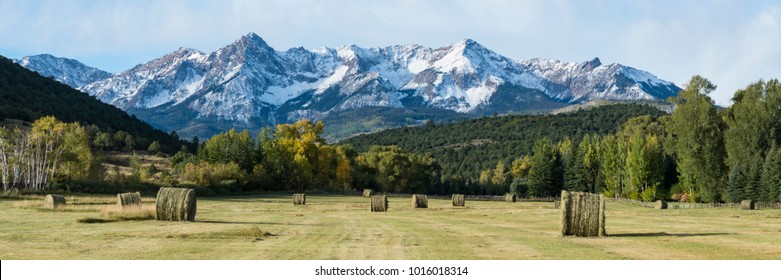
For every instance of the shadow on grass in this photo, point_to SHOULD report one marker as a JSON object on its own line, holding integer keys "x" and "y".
{"x": 252, "y": 223}
{"x": 656, "y": 234}
{"x": 254, "y": 198}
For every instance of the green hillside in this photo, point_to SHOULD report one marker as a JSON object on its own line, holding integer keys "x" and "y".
{"x": 27, "y": 96}
{"x": 344, "y": 124}
{"x": 465, "y": 148}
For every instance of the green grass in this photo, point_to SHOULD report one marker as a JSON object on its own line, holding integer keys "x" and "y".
{"x": 342, "y": 227}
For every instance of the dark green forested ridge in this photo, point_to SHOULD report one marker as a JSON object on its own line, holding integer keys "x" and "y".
{"x": 344, "y": 124}
{"x": 28, "y": 96}
{"x": 465, "y": 148}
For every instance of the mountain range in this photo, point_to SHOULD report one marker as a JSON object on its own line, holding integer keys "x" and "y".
{"x": 248, "y": 84}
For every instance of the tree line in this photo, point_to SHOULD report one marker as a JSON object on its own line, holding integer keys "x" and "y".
{"x": 699, "y": 153}
{"x": 31, "y": 157}
{"x": 295, "y": 157}
{"x": 467, "y": 150}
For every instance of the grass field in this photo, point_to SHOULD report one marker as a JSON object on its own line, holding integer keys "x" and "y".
{"x": 342, "y": 227}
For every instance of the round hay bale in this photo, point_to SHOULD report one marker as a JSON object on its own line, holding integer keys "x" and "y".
{"x": 54, "y": 201}
{"x": 129, "y": 199}
{"x": 660, "y": 204}
{"x": 367, "y": 193}
{"x": 176, "y": 204}
{"x": 458, "y": 200}
{"x": 582, "y": 214}
{"x": 379, "y": 203}
{"x": 299, "y": 199}
{"x": 747, "y": 204}
{"x": 419, "y": 201}
{"x": 510, "y": 197}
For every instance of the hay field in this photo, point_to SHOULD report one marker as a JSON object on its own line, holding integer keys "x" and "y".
{"x": 342, "y": 227}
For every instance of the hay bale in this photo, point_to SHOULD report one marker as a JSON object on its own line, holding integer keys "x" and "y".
{"x": 458, "y": 200}
{"x": 557, "y": 203}
{"x": 379, "y": 203}
{"x": 176, "y": 204}
{"x": 299, "y": 199}
{"x": 419, "y": 201}
{"x": 660, "y": 204}
{"x": 367, "y": 193}
{"x": 54, "y": 201}
{"x": 582, "y": 214}
{"x": 747, "y": 205}
{"x": 510, "y": 197}
{"x": 129, "y": 199}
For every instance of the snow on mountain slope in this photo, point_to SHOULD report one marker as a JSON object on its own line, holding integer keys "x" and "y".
{"x": 248, "y": 84}
{"x": 590, "y": 80}
{"x": 67, "y": 71}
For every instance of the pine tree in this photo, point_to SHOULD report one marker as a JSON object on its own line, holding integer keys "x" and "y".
{"x": 575, "y": 174}
{"x": 737, "y": 180}
{"x": 753, "y": 188}
{"x": 771, "y": 176}
{"x": 545, "y": 178}
{"x": 572, "y": 166}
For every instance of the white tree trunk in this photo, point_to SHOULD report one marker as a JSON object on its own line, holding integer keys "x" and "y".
{"x": 4, "y": 163}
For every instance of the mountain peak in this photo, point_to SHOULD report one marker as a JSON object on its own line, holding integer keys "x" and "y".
{"x": 253, "y": 39}
{"x": 596, "y": 62}
{"x": 186, "y": 50}
{"x": 469, "y": 47}
{"x": 43, "y": 55}
{"x": 467, "y": 41}
{"x": 41, "y": 58}
{"x": 468, "y": 44}
{"x": 591, "y": 64}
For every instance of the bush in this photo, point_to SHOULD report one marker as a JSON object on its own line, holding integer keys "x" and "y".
{"x": 214, "y": 174}
{"x": 154, "y": 148}
{"x": 519, "y": 187}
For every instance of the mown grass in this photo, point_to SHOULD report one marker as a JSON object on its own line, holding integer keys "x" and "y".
{"x": 342, "y": 227}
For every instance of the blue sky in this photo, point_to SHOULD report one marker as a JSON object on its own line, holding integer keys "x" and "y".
{"x": 732, "y": 43}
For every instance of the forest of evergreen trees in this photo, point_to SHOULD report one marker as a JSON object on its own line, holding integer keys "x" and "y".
{"x": 464, "y": 149}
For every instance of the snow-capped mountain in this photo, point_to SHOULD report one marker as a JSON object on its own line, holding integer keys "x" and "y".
{"x": 590, "y": 80}
{"x": 67, "y": 71}
{"x": 248, "y": 84}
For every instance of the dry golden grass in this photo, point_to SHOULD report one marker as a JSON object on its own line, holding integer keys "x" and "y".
{"x": 115, "y": 212}
{"x": 341, "y": 227}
